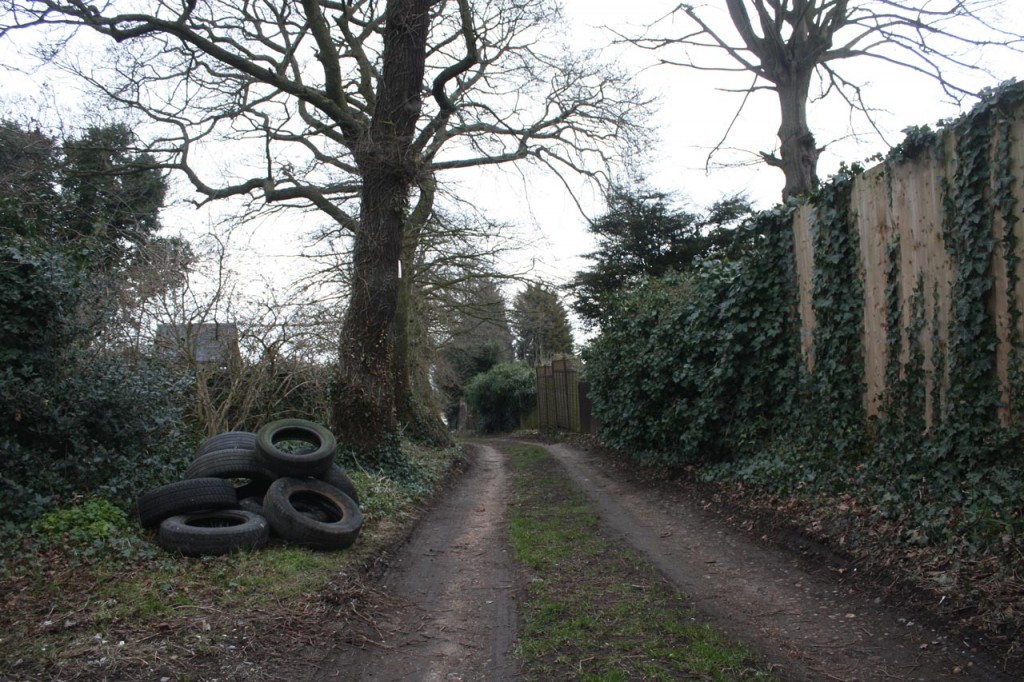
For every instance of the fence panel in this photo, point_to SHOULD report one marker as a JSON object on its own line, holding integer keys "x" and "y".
{"x": 906, "y": 203}
{"x": 560, "y": 401}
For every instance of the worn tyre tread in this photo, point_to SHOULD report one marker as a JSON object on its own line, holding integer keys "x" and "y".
{"x": 201, "y": 533}
{"x": 296, "y": 464}
{"x": 229, "y": 440}
{"x": 184, "y": 497}
{"x": 294, "y": 506}
{"x": 234, "y": 464}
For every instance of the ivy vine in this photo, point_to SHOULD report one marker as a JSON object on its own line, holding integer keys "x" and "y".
{"x": 894, "y": 314}
{"x": 708, "y": 367}
{"x": 937, "y": 393}
{"x": 1004, "y": 200}
{"x": 968, "y": 233}
{"x": 838, "y": 302}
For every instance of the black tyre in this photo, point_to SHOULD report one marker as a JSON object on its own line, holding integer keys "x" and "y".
{"x": 252, "y": 504}
{"x": 229, "y": 440}
{"x": 295, "y": 447}
{"x": 337, "y": 477}
{"x": 247, "y": 474}
{"x": 312, "y": 513}
{"x": 184, "y": 497}
{"x": 213, "y": 532}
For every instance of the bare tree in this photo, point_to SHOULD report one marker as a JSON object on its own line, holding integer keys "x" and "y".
{"x": 255, "y": 355}
{"x": 784, "y": 44}
{"x": 352, "y": 108}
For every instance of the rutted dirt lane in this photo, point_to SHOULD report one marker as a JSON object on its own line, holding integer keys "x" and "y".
{"x": 449, "y": 610}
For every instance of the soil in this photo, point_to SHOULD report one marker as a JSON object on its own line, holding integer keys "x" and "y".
{"x": 792, "y": 600}
{"x": 445, "y": 605}
{"x": 445, "y": 609}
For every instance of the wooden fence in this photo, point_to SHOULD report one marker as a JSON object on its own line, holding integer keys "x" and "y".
{"x": 562, "y": 399}
{"x": 906, "y": 202}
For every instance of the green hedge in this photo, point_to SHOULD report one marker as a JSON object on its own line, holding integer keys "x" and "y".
{"x": 707, "y": 366}
{"x": 75, "y": 420}
{"x": 500, "y": 397}
{"x": 690, "y": 367}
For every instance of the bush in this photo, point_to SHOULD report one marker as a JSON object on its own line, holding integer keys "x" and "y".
{"x": 501, "y": 396}
{"x": 94, "y": 529}
{"x": 75, "y": 420}
{"x": 95, "y": 520}
{"x": 695, "y": 366}
{"x": 39, "y": 293}
{"x": 103, "y": 426}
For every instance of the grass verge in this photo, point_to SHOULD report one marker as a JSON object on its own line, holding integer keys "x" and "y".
{"x": 597, "y": 611}
{"x": 117, "y": 607}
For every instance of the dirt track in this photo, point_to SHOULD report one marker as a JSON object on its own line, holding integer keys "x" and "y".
{"x": 450, "y": 612}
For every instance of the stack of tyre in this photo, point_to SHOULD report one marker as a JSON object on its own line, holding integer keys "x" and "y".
{"x": 242, "y": 486}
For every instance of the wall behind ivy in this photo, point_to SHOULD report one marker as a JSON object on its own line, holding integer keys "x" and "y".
{"x": 939, "y": 272}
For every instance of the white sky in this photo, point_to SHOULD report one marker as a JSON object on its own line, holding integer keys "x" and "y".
{"x": 693, "y": 116}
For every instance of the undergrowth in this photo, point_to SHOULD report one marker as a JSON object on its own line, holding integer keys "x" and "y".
{"x": 85, "y": 589}
{"x": 950, "y": 530}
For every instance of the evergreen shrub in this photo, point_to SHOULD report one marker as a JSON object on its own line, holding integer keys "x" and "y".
{"x": 501, "y": 396}
{"x": 692, "y": 366}
{"x": 76, "y": 420}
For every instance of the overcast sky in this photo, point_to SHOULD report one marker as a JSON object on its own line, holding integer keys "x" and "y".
{"x": 693, "y": 116}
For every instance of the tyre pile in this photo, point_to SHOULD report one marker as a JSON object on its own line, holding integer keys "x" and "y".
{"x": 242, "y": 486}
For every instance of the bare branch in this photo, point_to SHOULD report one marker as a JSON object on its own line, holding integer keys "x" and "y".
{"x": 784, "y": 42}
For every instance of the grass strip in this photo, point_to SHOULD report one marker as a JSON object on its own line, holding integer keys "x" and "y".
{"x": 595, "y": 610}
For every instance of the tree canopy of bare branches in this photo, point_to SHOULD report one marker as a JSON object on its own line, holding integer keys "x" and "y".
{"x": 353, "y": 108}
{"x": 784, "y": 44}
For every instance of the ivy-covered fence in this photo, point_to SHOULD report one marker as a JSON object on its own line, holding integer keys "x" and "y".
{"x": 870, "y": 366}
{"x": 925, "y": 250}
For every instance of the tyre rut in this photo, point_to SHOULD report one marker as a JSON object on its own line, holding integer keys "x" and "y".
{"x": 810, "y": 626}
{"x": 452, "y": 615}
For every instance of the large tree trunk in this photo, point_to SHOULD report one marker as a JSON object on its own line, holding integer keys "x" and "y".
{"x": 364, "y": 401}
{"x": 364, "y": 412}
{"x": 798, "y": 152}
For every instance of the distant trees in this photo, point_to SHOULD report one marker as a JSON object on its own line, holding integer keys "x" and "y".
{"x": 482, "y": 337}
{"x": 28, "y": 179}
{"x": 786, "y": 45}
{"x": 114, "y": 191}
{"x": 450, "y": 305}
{"x": 476, "y": 338}
{"x": 640, "y": 236}
{"x": 98, "y": 185}
{"x": 93, "y": 202}
{"x": 540, "y": 324}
